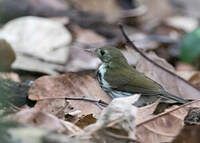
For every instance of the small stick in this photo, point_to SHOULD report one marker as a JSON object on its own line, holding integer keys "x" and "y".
{"x": 97, "y": 102}
{"x": 87, "y": 100}
{"x": 150, "y": 60}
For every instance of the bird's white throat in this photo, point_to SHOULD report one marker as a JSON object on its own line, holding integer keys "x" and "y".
{"x": 102, "y": 71}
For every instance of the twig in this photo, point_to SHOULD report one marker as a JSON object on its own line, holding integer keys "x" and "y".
{"x": 79, "y": 98}
{"x": 150, "y": 60}
{"x": 87, "y": 100}
{"x": 167, "y": 112}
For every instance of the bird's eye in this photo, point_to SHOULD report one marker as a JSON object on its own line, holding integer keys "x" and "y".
{"x": 102, "y": 52}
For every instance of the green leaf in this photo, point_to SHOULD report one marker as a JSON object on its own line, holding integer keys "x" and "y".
{"x": 190, "y": 48}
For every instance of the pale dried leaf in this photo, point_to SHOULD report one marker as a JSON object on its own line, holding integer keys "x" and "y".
{"x": 49, "y": 42}
{"x": 116, "y": 119}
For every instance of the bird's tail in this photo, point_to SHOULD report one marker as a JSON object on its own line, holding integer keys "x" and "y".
{"x": 175, "y": 98}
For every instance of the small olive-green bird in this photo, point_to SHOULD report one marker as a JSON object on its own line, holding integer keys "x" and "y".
{"x": 118, "y": 79}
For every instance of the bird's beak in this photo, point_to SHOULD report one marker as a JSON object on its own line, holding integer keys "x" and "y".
{"x": 92, "y": 51}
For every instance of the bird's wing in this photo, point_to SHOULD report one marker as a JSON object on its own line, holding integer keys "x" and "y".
{"x": 130, "y": 80}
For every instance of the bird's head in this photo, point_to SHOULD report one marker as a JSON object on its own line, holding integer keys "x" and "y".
{"x": 110, "y": 55}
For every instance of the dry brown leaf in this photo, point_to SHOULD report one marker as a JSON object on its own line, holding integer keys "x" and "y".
{"x": 46, "y": 120}
{"x": 165, "y": 126}
{"x": 85, "y": 121}
{"x": 67, "y": 85}
{"x": 169, "y": 82}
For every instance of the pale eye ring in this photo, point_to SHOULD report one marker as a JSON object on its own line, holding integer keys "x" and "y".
{"x": 102, "y": 52}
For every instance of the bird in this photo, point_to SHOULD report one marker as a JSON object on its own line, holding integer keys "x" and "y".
{"x": 119, "y": 79}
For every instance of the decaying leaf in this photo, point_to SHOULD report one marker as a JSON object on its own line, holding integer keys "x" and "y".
{"x": 165, "y": 126}
{"x": 169, "y": 82}
{"x": 47, "y": 88}
{"x": 85, "y": 121}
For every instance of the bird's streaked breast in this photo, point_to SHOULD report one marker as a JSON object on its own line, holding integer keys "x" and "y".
{"x": 100, "y": 76}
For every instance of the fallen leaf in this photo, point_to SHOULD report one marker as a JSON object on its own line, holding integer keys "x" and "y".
{"x": 165, "y": 126}
{"x": 46, "y": 121}
{"x": 47, "y": 88}
{"x": 85, "y": 121}
{"x": 48, "y": 43}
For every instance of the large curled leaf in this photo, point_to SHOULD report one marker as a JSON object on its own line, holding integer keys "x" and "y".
{"x": 190, "y": 48}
